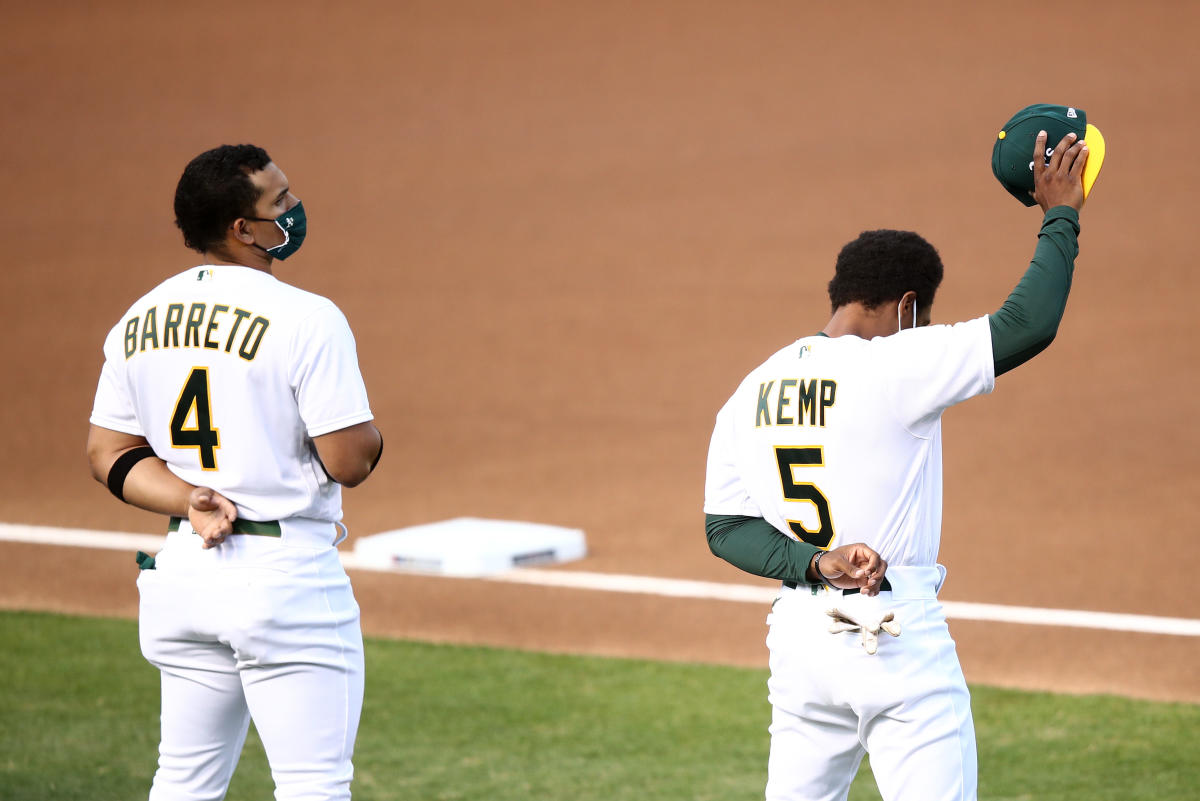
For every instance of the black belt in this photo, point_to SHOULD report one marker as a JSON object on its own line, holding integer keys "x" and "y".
{"x": 886, "y": 586}
{"x": 261, "y": 528}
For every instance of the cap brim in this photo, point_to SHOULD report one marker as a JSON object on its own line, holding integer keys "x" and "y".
{"x": 1095, "y": 146}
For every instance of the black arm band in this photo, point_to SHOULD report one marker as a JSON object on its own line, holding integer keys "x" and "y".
{"x": 121, "y": 468}
{"x": 378, "y": 456}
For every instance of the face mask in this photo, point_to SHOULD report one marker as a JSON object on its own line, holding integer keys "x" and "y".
{"x": 294, "y": 225}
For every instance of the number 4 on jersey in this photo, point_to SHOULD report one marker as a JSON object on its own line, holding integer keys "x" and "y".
{"x": 789, "y": 459}
{"x": 202, "y": 435}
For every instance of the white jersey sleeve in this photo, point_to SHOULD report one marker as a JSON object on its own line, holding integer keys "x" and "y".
{"x": 725, "y": 492}
{"x": 113, "y": 408}
{"x": 324, "y": 374}
{"x": 927, "y": 370}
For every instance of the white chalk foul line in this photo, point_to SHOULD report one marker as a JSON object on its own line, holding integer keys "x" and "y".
{"x": 81, "y": 538}
{"x": 960, "y": 610}
{"x": 651, "y": 585}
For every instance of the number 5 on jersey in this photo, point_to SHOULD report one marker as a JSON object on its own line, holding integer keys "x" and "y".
{"x": 201, "y": 435}
{"x": 789, "y": 459}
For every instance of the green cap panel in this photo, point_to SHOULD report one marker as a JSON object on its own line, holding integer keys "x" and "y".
{"x": 1013, "y": 152}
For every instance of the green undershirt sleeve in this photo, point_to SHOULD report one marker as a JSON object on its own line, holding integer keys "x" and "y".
{"x": 1028, "y": 321}
{"x": 754, "y": 545}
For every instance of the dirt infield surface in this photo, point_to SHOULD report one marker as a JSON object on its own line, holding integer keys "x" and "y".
{"x": 563, "y": 232}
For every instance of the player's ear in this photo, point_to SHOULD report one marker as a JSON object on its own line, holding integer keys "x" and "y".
{"x": 241, "y": 231}
{"x": 906, "y": 311}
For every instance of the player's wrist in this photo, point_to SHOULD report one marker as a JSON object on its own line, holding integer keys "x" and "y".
{"x": 815, "y": 576}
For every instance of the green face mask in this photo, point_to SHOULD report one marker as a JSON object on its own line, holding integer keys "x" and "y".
{"x": 294, "y": 225}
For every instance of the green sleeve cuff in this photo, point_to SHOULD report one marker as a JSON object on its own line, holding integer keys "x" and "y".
{"x": 754, "y": 545}
{"x": 1028, "y": 321}
{"x": 1062, "y": 213}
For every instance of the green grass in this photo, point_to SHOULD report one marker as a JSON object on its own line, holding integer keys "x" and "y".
{"x": 79, "y": 720}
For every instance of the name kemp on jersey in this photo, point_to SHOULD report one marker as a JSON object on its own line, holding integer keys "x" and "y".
{"x": 142, "y": 330}
{"x": 812, "y": 397}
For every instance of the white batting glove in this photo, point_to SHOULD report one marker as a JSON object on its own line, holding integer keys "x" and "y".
{"x": 843, "y": 622}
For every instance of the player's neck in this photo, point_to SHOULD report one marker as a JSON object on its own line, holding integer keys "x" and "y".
{"x": 243, "y": 257}
{"x": 854, "y": 319}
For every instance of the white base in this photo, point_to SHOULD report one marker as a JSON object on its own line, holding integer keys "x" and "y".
{"x": 470, "y": 546}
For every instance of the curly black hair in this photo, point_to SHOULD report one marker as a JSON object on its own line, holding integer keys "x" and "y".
{"x": 880, "y": 266}
{"x": 215, "y": 190}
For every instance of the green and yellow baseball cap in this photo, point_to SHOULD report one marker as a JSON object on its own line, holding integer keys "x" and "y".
{"x": 1011, "y": 155}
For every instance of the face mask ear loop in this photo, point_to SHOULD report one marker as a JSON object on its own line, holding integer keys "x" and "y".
{"x": 914, "y": 314}
{"x": 287, "y": 237}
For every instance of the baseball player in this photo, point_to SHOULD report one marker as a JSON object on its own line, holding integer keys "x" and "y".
{"x": 837, "y": 438}
{"x": 233, "y": 402}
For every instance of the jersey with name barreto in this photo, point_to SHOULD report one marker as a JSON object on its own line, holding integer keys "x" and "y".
{"x": 227, "y": 367}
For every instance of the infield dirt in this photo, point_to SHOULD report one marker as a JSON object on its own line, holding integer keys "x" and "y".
{"x": 562, "y": 234}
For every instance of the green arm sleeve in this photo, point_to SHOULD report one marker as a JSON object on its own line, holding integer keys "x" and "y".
{"x": 1028, "y": 320}
{"x": 754, "y": 545}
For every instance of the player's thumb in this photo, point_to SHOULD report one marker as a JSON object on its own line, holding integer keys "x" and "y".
{"x": 202, "y": 499}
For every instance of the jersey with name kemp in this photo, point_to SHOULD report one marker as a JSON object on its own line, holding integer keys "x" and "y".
{"x": 838, "y": 440}
{"x": 229, "y": 373}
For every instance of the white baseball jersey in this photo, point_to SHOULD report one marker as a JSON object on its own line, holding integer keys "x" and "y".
{"x": 838, "y": 440}
{"x": 229, "y": 373}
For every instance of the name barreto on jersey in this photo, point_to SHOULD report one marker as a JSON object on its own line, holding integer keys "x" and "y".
{"x": 212, "y": 327}
{"x": 795, "y": 401}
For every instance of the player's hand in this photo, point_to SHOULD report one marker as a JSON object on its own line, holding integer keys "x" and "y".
{"x": 853, "y": 566}
{"x": 1059, "y": 183}
{"x": 211, "y": 515}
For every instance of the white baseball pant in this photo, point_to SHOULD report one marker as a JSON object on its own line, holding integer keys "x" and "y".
{"x": 832, "y": 702}
{"x": 259, "y": 627}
